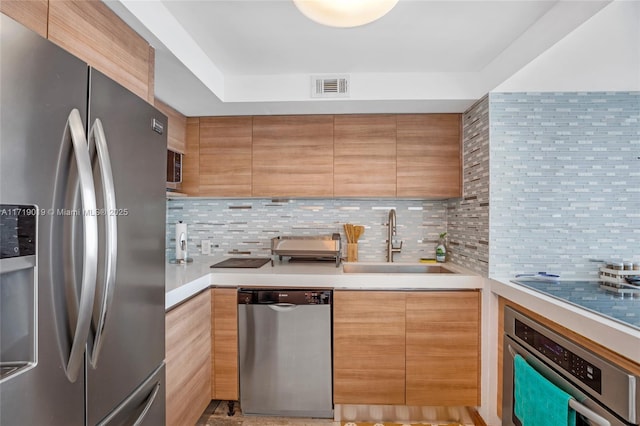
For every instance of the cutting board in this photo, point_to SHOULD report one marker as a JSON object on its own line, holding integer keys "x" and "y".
{"x": 242, "y": 262}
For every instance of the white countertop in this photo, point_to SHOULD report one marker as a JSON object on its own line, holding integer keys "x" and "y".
{"x": 614, "y": 335}
{"x": 185, "y": 281}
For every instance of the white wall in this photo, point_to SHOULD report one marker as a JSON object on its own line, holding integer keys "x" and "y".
{"x": 603, "y": 54}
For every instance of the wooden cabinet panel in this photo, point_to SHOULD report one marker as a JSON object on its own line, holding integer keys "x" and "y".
{"x": 191, "y": 159}
{"x": 428, "y": 155}
{"x": 225, "y": 156}
{"x": 188, "y": 360}
{"x": 225, "y": 344}
{"x": 293, "y": 156}
{"x": 32, "y": 14}
{"x": 369, "y": 347}
{"x": 177, "y": 127}
{"x": 364, "y": 159}
{"x": 443, "y": 348}
{"x": 92, "y": 32}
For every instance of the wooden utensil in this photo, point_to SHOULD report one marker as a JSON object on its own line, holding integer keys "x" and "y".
{"x": 359, "y": 230}
{"x": 348, "y": 232}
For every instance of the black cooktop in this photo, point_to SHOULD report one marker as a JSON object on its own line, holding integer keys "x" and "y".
{"x": 242, "y": 262}
{"x": 588, "y": 295}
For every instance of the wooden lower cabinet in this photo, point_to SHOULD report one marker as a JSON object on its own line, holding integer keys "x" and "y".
{"x": 369, "y": 347}
{"x": 188, "y": 360}
{"x": 407, "y": 348}
{"x": 224, "y": 381}
{"x": 443, "y": 348}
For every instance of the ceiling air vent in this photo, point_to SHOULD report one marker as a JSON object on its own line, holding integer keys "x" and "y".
{"x": 330, "y": 86}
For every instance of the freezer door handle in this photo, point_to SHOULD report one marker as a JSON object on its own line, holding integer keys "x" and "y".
{"x": 98, "y": 141}
{"x": 90, "y": 244}
{"x": 125, "y": 406}
{"x": 148, "y": 405}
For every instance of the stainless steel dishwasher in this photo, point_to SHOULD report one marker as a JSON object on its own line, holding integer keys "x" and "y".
{"x": 285, "y": 350}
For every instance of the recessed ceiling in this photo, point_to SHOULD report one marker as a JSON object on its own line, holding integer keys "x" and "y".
{"x": 227, "y": 57}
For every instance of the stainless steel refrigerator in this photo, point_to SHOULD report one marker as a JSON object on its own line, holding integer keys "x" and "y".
{"x": 82, "y": 220}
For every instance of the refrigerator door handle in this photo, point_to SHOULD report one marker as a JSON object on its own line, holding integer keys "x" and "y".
{"x": 97, "y": 135}
{"x": 90, "y": 244}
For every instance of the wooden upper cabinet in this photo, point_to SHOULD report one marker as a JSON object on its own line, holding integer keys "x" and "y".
{"x": 293, "y": 156}
{"x": 364, "y": 159}
{"x": 428, "y": 155}
{"x": 225, "y": 156}
{"x": 443, "y": 348}
{"x": 177, "y": 127}
{"x": 191, "y": 159}
{"x": 32, "y": 14}
{"x": 92, "y": 32}
{"x": 369, "y": 347}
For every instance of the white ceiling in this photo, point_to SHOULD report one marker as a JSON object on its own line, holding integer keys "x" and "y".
{"x": 227, "y": 57}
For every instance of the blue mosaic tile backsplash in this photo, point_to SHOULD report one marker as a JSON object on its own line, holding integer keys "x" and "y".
{"x": 565, "y": 181}
{"x": 246, "y": 226}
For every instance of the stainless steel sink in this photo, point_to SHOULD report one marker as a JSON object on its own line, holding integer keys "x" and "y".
{"x": 394, "y": 268}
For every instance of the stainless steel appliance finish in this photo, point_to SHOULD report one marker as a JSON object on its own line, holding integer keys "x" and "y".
{"x": 391, "y": 232}
{"x": 308, "y": 247}
{"x": 285, "y": 352}
{"x": 82, "y": 149}
{"x": 174, "y": 168}
{"x": 18, "y": 289}
{"x": 603, "y": 393}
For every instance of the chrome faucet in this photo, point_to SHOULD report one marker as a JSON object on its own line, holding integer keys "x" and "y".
{"x": 390, "y": 234}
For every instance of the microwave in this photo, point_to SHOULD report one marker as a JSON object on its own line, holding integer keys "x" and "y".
{"x": 174, "y": 167}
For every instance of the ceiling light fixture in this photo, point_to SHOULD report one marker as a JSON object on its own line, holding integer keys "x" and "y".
{"x": 344, "y": 13}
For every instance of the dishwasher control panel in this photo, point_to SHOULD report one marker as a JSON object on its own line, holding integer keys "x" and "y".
{"x": 287, "y": 296}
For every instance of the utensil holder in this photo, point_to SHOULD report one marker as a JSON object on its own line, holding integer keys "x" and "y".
{"x": 352, "y": 252}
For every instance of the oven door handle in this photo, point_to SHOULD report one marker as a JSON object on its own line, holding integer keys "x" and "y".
{"x": 589, "y": 414}
{"x": 573, "y": 403}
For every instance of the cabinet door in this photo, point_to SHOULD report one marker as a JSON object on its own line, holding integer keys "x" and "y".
{"x": 93, "y": 33}
{"x": 369, "y": 347}
{"x": 225, "y": 156}
{"x": 33, "y": 14}
{"x": 188, "y": 360}
{"x": 225, "y": 344}
{"x": 364, "y": 163}
{"x": 191, "y": 159}
{"x": 293, "y": 156}
{"x": 429, "y": 155}
{"x": 443, "y": 348}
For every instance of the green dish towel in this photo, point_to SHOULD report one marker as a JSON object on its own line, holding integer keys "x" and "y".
{"x": 538, "y": 402}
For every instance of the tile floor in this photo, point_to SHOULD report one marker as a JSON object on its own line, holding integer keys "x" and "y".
{"x": 216, "y": 415}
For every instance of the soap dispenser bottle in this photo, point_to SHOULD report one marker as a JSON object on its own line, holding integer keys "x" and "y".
{"x": 441, "y": 248}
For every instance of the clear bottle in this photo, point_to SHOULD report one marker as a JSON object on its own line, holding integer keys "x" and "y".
{"x": 441, "y": 248}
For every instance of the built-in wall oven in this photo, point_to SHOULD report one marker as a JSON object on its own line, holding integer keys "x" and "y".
{"x": 601, "y": 393}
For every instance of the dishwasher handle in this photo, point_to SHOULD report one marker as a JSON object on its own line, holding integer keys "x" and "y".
{"x": 283, "y": 307}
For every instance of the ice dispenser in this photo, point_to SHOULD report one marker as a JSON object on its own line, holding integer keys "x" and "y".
{"x": 18, "y": 294}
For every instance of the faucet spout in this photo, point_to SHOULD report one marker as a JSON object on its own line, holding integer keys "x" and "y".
{"x": 391, "y": 232}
